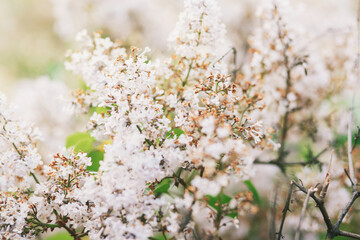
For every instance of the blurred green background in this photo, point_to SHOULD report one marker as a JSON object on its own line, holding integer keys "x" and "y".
{"x": 28, "y": 45}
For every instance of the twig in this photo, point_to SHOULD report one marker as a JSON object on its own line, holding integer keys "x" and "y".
{"x": 272, "y": 228}
{"x": 163, "y": 233}
{"x": 232, "y": 49}
{"x": 346, "y": 210}
{"x": 70, "y": 230}
{"x": 196, "y": 234}
{"x": 188, "y": 73}
{"x": 17, "y": 150}
{"x": 83, "y": 234}
{"x": 313, "y": 160}
{"x": 357, "y": 137}
{"x": 347, "y": 174}
{"x": 235, "y": 70}
{"x": 192, "y": 60}
{"x": 233, "y": 73}
{"x": 218, "y": 214}
{"x": 35, "y": 178}
{"x": 285, "y": 210}
{"x": 285, "y": 127}
{"x": 332, "y": 230}
{"x": 302, "y": 215}
{"x": 186, "y": 218}
{"x": 319, "y": 204}
{"x": 349, "y": 234}
{"x": 284, "y": 164}
{"x": 327, "y": 179}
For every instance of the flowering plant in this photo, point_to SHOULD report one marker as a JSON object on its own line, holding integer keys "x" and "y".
{"x": 172, "y": 145}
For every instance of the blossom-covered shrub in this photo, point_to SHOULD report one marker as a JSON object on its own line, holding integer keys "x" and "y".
{"x": 173, "y": 143}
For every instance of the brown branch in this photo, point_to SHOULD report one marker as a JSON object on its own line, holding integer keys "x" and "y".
{"x": 319, "y": 204}
{"x": 346, "y": 210}
{"x": 347, "y": 174}
{"x": 332, "y": 230}
{"x": 282, "y": 152}
{"x": 302, "y": 215}
{"x": 327, "y": 179}
{"x": 349, "y": 234}
{"x": 284, "y": 164}
{"x": 71, "y": 231}
{"x": 285, "y": 210}
{"x": 281, "y": 165}
{"x": 285, "y": 128}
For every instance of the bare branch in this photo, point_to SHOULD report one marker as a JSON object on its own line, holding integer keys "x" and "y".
{"x": 272, "y": 227}
{"x": 232, "y": 49}
{"x": 320, "y": 205}
{"x": 327, "y": 179}
{"x": 347, "y": 174}
{"x": 302, "y": 215}
{"x": 346, "y": 210}
{"x": 332, "y": 230}
{"x": 282, "y": 165}
{"x": 349, "y": 234}
{"x": 285, "y": 210}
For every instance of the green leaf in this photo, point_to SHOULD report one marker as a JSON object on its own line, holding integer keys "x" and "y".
{"x": 84, "y": 86}
{"x": 160, "y": 236}
{"x": 60, "y": 236}
{"x": 218, "y": 200}
{"x": 96, "y": 156}
{"x": 162, "y": 187}
{"x": 341, "y": 140}
{"x": 81, "y": 142}
{"x": 178, "y": 131}
{"x": 147, "y": 190}
{"x": 255, "y": 193}
{"x": 73, "y": 139}
{"x": 99, "y": 110}
{"x": 324, "y": 234}
{"x": 232, "y": 214}
{"x": 174, "y": 132}
{"x": 192, "y": 175}
{"x": 84, "y": 145}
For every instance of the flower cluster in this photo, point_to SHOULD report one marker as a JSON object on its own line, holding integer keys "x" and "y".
{"x": 299, "y": 84}
{"x": 18, "y": 152}
{"x": 171, "y": 142}
{"x": 179, "y": 122}
{"x": 53, "y": 203}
